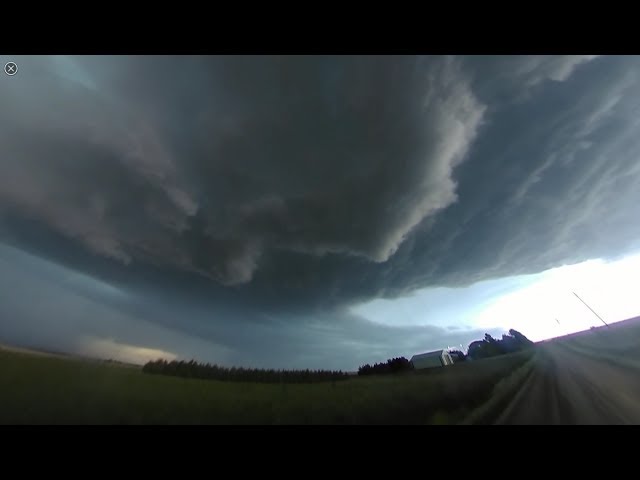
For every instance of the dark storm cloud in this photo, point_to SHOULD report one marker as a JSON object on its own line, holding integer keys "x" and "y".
{"x": 258, "y": 186}
{"x": 568, "y": 178}
{"x": 311, "y": 155}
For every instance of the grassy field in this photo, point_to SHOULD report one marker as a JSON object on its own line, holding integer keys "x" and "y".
{"x": 51, "y": 390}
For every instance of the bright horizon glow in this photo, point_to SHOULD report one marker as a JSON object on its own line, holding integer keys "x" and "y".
{"x": 107, "y": 348}
{"x": 528, "y": 303}
{"x": 609, "y": 288}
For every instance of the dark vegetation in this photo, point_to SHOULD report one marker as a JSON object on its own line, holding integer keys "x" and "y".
{"x": 205, "y": 371}
{"x": 393, "y": 365}
{"x": 457, "y": 356}
{"x": 490, "y": 347}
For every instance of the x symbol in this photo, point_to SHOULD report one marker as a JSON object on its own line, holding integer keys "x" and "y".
{"x": 10, "y": 68}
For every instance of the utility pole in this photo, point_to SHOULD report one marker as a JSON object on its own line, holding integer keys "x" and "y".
{"x": 585, "y": 303}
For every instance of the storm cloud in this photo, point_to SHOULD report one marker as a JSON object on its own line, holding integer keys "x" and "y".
{"x": 317, "y": 156}
{"x": 266, "y": 191}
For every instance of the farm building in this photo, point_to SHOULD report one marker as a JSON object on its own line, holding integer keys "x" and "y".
{"x": 439, "y": 358}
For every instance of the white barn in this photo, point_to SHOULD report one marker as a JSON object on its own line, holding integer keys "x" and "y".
{"x": 439, "y": 358}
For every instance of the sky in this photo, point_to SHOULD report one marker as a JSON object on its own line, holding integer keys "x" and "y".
{"x": 314, "y": 211}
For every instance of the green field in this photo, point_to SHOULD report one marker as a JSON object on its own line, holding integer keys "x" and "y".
{"x": 51, "y": 390}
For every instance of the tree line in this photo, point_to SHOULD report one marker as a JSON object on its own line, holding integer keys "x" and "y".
{"x": 206, "y": 371}
{"x": 393, "y": 365}
{"x": 491, "y": 347}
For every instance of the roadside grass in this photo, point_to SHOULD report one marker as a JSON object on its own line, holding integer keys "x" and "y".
{"x": 501, "y": 396}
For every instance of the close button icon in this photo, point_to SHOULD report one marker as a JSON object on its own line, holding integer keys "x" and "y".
{"x": 10, "y": 68}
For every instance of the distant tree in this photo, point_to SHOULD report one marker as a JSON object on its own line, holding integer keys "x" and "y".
{"x": 490, "y": 347}
{"x": 392, "y": 365}
{"x": 522, "y": 340}
{"x": 477, "y": 349}
{"x": 457, "y": 356}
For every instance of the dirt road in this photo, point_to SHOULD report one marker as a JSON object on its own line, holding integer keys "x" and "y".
{"x": 593, "y": 378}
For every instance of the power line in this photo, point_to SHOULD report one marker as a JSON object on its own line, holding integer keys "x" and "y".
{"x": 592, "y": 310}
